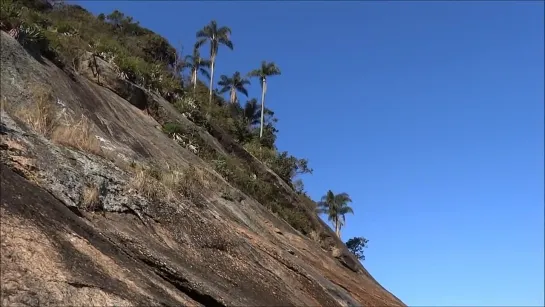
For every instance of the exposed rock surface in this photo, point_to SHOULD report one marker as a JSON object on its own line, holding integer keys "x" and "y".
{"x": 134, "y": 250}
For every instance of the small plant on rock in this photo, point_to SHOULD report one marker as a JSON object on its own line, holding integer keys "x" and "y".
{"x": 90, "y": 196}
{"x": 40, "y": 115}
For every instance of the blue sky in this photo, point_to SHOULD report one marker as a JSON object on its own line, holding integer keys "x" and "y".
{"x": 429, "y": 114}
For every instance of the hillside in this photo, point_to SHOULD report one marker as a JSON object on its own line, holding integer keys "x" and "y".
{"x": 122, "y": 185}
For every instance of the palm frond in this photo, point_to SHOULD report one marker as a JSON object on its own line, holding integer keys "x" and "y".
{"x": 204, "y": 33}
{"x": 345, "y": 210}
{"x": 243, "y": 91}
{"x": 272, "y": 69}
{"x": 255, "y": 73}
{"x": 205, "y": 73}
{"x": 205, "y": 63}
{"x": 200, "y": 42}
{"x": 227, "y": 42}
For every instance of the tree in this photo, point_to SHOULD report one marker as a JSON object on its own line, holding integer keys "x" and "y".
{"x": 157, "y": 49}
{"x": 234, "y": 84}
{"x": 251, "y": 112}
{"x": 266, "y": 70}
{"x": 356, "y": 246}
{"x": 335, "y": 206}
{"x": 197, "y": 65}
{"x": 216, "y": 36}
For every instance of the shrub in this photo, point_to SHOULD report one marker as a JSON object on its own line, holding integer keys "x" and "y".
{"x": 32, "y": 38}
{"x": 134, "y": 67}
{"x": 10, "y": 14}
{"x": 66, "y": 28}
{"x": 65, "y": 49}
{"x": 172, "y": 128}
{"x": 284, "y": 165}
{"x": 266, "y": 193}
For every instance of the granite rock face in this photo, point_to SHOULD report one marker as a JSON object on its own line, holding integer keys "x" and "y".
{"x": 132, "y": 249}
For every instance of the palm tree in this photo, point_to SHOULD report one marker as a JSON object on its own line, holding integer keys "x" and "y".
{"x": 266, "y": 70}
{"x": 216, "y": 36}
{"x": 233, "y": 85}
{"x": 196, "y": 64}
{"x": 179, "y": 61}
{"x": 335, "y": 206}
{"x": 251, "y": 112}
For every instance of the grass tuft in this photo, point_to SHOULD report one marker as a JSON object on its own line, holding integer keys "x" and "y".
{"x": 91, "y": 198}
{"x": 40, "y": 115}
{"x": 78, "y": 136}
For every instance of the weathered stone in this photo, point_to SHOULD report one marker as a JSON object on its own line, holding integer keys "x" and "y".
{"x": 101, "y": 72}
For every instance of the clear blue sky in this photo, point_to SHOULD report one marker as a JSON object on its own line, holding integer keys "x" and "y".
{"x": 429, "y": 114}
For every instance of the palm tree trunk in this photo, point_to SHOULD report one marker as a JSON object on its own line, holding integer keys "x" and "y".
{"x": 233, "y": 97}
{"x": 337, "y": 228}
{"x": 263, "y": 90}
{"x": 194, "y": 80}
{"x": 213, "y": 64}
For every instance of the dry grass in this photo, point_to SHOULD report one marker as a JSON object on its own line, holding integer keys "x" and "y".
{"x": 78, "y": 136}
{"x": 3, "y": 102}
{"x": 40, "y": 115}
{"x": 91, "y": 199}
{"x": 315, "y": 236}
{"x": 145, "y": 183}
{"x": 169, "y": 185}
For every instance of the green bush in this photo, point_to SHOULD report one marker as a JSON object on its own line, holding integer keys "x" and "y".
{"x": 32, "y": 38}
{"x": 136, "y": 69}
{"x": 171, "y": 128}
{"x": 65, "y": 28}
{"x": 66, "y": 49}
{"x": 10, "y": 14}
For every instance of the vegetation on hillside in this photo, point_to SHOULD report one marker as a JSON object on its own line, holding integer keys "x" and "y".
{"x": 335, "y": 207}
{"x": 64, "y": 33}
{"x": 356, "y": 246}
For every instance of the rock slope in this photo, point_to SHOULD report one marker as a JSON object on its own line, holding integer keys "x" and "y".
{"x": 80, "y": 224}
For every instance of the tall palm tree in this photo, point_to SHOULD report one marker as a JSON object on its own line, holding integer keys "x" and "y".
{"x": 216, "y": 36}
{"x": 234, "y": 84}
{"x": 196, "y": 64}
{"x": 266, "y": 70}
{"x": 335, "y": 206}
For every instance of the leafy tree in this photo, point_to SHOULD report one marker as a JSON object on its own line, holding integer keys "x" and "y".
{"x": 216, "y": 36}
{"x": 197, "y": 65}
{"x": 233, "y": 84}
{"x": 287, "y": 166}
{"x": 335, "y": 206}
{"x": 124, "y": 24}
{"x": 157, "y": 49}
{"x": 299, "y": 187}
{"x": 266, "y": 70}
{"x": 356, "y": 246}
{"x": 115, "y": 18}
